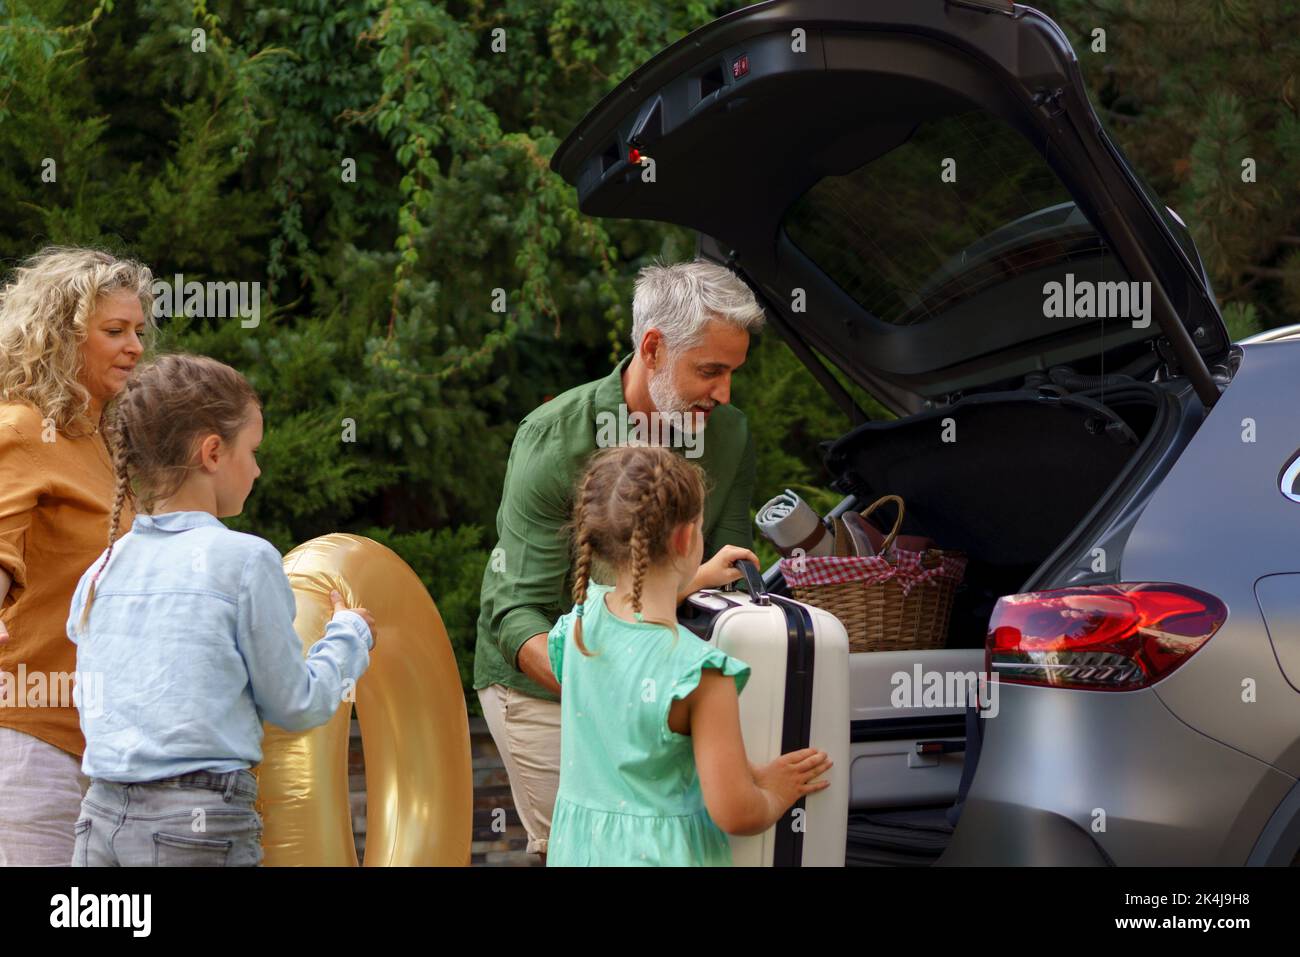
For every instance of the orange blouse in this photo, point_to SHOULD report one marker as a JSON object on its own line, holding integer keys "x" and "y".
{"x": 56, "y": 495}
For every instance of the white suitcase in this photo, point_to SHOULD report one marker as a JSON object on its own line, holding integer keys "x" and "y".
{"x": 797, "y": 697}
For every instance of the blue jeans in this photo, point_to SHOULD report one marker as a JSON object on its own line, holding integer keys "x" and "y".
{"x": 201, "y": 819}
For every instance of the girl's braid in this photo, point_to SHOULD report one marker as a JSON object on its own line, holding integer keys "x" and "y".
{"x": 122, "y": 489}
{"x": 582, "y": 567}
{"x": 641, "y": 535}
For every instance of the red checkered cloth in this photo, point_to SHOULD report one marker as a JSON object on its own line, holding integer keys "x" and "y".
{"x": 906, "y": 570}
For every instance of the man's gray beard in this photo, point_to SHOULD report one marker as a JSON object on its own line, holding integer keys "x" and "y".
{"x": 668, "y": 400}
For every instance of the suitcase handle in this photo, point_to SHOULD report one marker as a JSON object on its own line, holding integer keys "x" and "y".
{"x": 754, "y": 581}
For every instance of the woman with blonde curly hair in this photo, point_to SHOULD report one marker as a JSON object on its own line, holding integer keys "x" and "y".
{"x": 72, "y": 327}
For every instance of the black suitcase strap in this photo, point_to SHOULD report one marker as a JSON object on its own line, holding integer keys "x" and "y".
{"x": 796, "y": 728}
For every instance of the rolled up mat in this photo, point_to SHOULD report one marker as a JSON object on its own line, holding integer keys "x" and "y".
{"x": 789, "y": 523}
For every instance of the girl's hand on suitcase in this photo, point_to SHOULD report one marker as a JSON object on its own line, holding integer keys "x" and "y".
{"x": 793, "y": 775}
{"x": 339, "y": 606}
{"x": 721, "y": 568}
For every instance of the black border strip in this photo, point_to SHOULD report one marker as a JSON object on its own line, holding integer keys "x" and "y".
{"x": 796, "y": 725}
{"x": 893, "y": 729}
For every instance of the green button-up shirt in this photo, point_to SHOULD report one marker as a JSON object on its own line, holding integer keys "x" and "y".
{"x": 528, "y": 582}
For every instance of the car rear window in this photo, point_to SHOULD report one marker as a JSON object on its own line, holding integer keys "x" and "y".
{"x": 907, "y": 244}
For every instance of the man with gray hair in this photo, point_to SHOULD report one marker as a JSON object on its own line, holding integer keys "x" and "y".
{"x": 691, "y": 324}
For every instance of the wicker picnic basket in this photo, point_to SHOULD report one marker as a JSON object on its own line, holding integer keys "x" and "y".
{"x": 893, "y": 601}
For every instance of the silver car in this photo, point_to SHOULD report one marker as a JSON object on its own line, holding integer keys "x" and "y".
{"x": 923, "y": 197}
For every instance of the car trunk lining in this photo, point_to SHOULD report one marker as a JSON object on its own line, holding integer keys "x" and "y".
{"x": 1019, "y": 476}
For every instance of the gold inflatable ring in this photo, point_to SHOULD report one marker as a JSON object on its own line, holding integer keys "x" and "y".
{"x": 414, "y": 727}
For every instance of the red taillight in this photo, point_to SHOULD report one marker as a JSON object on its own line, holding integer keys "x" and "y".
{"x": 1100, "y": 637}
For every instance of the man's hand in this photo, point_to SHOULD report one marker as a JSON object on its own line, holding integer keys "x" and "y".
{"x": 535, "y": 661}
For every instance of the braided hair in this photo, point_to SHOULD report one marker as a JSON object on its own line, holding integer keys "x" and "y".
{"x": 628, "y": 502}
{"x": 117, "y": 441}
{"x": 167, "y": 407}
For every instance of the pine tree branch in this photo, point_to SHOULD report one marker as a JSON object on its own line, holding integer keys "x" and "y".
{"x": 1123, "y": 117}
{"x": 1237, "y": 292}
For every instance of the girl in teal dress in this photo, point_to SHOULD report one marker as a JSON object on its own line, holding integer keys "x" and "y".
{"x": 652, "y": 765}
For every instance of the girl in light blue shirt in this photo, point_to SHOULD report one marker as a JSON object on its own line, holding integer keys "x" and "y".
{"x": 184, "y": 633}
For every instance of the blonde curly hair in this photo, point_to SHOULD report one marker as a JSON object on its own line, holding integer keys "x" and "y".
{"x": 45, "y": 311}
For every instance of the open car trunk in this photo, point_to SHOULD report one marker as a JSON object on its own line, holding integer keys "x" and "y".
{"x": 807, "y": 138}
{"x": 1017, "y": 481}
{"x": 1003, "y": 477}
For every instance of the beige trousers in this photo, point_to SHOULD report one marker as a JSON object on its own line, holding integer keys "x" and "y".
{"x": 527, "y": 733}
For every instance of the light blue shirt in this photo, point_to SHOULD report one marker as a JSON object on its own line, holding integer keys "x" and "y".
{"x": 191, "y": 646}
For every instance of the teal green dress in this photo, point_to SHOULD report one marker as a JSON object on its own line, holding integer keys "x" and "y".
{"x": 629, "y": 793}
